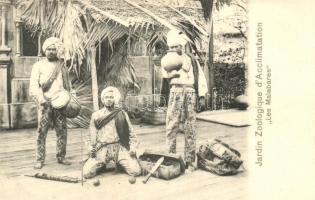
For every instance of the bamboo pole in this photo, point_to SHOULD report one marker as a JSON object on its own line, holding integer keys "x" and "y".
{"x": 39, "y": 42}
{"x": 210, "y": 75}
{"x": 210, "y": 54}
{"x": 91, "y": 57}
{"x": 153, "y": 78}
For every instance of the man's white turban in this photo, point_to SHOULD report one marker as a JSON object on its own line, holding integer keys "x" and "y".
{"x": 176, "y": 37}
{"x": 115, "y": 91}
{"x": 52, "y": 41}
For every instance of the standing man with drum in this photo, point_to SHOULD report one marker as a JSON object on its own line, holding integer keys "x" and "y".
{"x": 48, "y": 78}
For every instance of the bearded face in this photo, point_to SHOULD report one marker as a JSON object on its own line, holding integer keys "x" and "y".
{"x": 53, "y": 48}
{"x": 109, "y": 99}
{"x": 51, "y": 53}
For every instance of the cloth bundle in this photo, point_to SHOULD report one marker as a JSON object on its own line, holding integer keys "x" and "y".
{"x": 217, "y": 157}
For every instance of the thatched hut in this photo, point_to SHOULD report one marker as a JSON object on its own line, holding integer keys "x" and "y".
{"x": 106, "y": 42}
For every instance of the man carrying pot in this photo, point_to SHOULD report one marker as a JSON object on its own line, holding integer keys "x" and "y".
{"x": 111, "y": 138}
{"x": 48, "y": 77}
{"x": 188, "y": 88}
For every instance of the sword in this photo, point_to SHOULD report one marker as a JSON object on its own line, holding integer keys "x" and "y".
{"x": 154, "y": 168}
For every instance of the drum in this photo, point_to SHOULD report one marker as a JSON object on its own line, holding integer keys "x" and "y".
{"x": 60, "y": 99}
{"x": 66, "y": 103}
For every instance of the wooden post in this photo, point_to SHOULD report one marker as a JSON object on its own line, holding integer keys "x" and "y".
{"x": 91, "y": 59}
{"x": 39, "y": 42}
{"x": 3, "y": 25}
{"x": 210, "y": 75}
{"x": 153, "y": 78}
{"x": 18, "y": 24}
{"x": 5, "y": 60}
{"x": 211, "y": 64}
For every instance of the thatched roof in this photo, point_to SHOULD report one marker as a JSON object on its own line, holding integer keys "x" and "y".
{"x": 129, "y": 11}
{"x": 82, "y": 23}
{"x": 147, "y": 16}
{"x": 87, "y": 22}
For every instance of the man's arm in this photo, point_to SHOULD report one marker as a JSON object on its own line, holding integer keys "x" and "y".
{"x": 187, "y": 63}
{"x": 171, "y": 74}
{"x": 202, "y": 82}
{"x": 35, "y": 91}
{"x": 202, "y": 89}
{"x": 91, "y": 136}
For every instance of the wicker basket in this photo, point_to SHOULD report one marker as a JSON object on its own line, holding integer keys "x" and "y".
{"x": 154, "y": 117}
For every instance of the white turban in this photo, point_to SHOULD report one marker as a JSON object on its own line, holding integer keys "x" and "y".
{"x": 115, "y": 91}
{"x": 52, "y": 41}
{"x": 176, "y": 37}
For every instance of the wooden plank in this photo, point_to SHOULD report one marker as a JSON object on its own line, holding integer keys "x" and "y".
{"x": 19, "y": 158}
{"x": 201, "y": 133}
{"x": 77, "y": 146}
{"x": 73, "y": 149}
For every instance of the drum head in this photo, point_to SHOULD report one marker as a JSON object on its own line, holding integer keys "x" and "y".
{"x": 60, "y": 99}
{"x": 72, "y": 109}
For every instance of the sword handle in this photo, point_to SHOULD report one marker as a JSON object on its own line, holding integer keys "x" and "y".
{"x": 147, "y": 178}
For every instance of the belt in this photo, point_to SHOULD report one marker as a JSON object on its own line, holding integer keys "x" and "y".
{"x": 100, "y": 145}
{"x": 183, "y": 86}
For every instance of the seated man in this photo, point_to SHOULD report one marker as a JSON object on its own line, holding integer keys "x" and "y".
{"x": 111, "y": 137}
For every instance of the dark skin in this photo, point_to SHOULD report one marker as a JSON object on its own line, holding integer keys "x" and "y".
{"x": 176, "y": 48}
{"x": 109, "y": 101}
{"x": 51, "y": 53}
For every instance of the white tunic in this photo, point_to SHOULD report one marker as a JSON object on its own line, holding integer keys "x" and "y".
{"x": 108, "y": 133}
{"x": 41, "y": 72}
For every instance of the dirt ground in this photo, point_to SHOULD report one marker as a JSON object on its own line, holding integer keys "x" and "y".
{"x": 17, "y": 159}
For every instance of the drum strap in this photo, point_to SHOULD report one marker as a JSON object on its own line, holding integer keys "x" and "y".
{"x": 46, "y": 86}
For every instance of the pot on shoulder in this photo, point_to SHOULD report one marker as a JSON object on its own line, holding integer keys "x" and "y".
{"x": 172, "y": 61}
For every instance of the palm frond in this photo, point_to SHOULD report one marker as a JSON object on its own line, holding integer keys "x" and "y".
{"x": 73, "y": 34}
{"x": 190, "y": 20}
{"x": 207, "y": 6}
{"x": 99, "y": 31}
{"x": 158, "y": 36}
{"x": 220, "y": 3}
{"x": 121, "y": 71}
{"x": 58, "y": 18}
{"x": 194, "y": 34}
